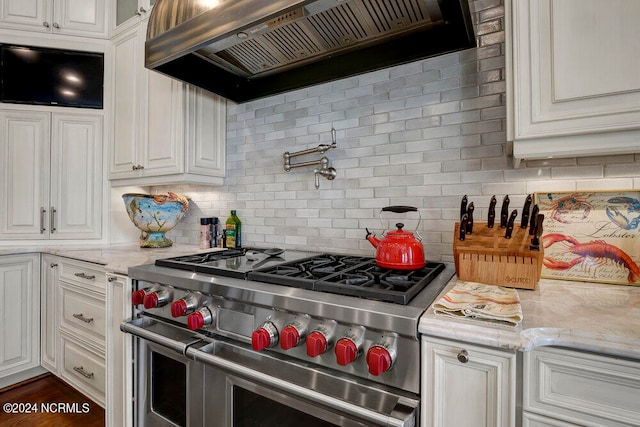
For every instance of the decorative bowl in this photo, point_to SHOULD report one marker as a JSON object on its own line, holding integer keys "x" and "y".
{"x": 154, "y": 215}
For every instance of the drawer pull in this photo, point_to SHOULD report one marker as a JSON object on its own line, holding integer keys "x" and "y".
{"x": 112, "y": 279}
{"x": 81, "y": 371}
{"x": 84, "y": 276}
{"x": 84, "y": 319}
{"x": 463, "y": 356}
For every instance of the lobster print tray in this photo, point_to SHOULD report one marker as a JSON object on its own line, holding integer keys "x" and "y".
{"x": 591, "y": 236}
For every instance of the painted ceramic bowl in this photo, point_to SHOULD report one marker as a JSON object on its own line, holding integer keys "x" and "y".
{"x": 154, "y": 215}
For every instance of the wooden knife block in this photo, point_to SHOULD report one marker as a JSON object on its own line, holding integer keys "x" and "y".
{"x": 486, "y": 256}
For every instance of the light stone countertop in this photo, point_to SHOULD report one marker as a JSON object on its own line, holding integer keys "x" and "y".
{"x": 115, "y": 258}
{"x": 596, "y": 317}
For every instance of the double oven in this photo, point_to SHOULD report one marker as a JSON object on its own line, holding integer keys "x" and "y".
{"x": 218, "y": 343}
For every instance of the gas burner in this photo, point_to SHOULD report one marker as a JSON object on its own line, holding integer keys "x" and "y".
{"x": 350, "y": 275}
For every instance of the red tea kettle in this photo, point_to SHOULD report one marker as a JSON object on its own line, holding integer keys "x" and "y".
{"x": 398, "y": 249}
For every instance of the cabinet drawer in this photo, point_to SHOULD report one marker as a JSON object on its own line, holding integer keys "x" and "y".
{"x": 84, "y": 369}
{"x": 83, "y": 274}
{"x": 84, "y": 315}
{"x": 582, "y": 388}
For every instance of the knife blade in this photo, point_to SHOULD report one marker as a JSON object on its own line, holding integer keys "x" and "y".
{"x": 463, "y": 206}
{"x": 470, "y": 210}
{"x": 504, "y": 213}
{"x": 510, "y": 223}
{"x": 492, "y": 212}
{"x": 463, "y": 227}
{"x": 534, "y": 218}
{"x": 525, "y": 212}
{"x": 535, "y": 241}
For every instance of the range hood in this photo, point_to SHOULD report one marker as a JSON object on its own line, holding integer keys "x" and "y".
{"x": 249, "y": 49}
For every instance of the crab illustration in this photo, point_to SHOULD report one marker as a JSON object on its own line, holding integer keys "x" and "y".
{"x": 621, "y": 220}
{"x": 564, "y": 208}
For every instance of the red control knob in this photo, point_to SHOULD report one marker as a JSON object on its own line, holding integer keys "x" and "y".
{"x": 150, "y": 300}
{"x": 316, "y": 344}
{"x": 346, "y": 351}
{"x": 289, "y": 337}
{"x": 179, "y": 308}
{"x": 137, "y": 297}
{"x": 260, "y": 339}
{"x": 379, "y": 360}
{"x": 195, "y": 320}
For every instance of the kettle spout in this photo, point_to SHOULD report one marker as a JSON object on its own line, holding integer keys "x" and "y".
{"x": 372, "y": 238}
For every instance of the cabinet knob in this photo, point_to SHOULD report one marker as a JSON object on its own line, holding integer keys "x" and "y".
{"x": 56, "y": 26}
{"x": 142, "y": 10}
{"x": 463, "y": 356}
{"x": 46, "y": 24}
{"x": 137, "y": 167}
{"x": 53, "y": 265}
{"x": 112, "y": 279}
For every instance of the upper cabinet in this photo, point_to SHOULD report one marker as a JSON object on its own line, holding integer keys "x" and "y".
{"x": 573, "y": 86}
{"x": 130, "y": 12}
{"x": 51, "y": 175}
{"x": 164, "y": 131}
{"x": 86, "y": 18}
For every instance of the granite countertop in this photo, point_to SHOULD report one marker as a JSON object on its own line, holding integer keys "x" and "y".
{"x": 596, "y": 317}
{"x": 115, "y": 258}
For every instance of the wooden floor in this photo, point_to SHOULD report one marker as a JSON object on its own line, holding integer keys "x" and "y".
{"x": 52, "y": 398}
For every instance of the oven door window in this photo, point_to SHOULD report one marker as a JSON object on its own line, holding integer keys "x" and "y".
{"x": 169, "y": 388}
{"x": 251, "y": 410}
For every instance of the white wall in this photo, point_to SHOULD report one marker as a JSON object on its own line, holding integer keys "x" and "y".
{"x": 422, "y": 134}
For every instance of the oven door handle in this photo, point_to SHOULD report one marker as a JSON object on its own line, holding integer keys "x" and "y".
{"x": 405, "y": 414}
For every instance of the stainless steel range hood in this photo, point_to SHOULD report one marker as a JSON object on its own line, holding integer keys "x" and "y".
{"x": 248, "y": 49}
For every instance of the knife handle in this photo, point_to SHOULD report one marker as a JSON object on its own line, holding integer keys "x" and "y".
{"x": 463, "y": 206}
{"x": 525, "y": 212}
{"x": 492, "y": 212}
{"x": 463, "y": 227}
{"x": 510, "y": 224}
{"x": 504, "y": 215}
{"x": 532, "y": 221}
{"x": 470, "y": 210}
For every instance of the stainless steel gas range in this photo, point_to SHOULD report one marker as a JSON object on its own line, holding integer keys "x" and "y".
{"x": 240, "y": 338}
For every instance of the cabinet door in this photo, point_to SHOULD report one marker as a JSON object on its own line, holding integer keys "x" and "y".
{"x": 206, "y": 132}
{"x": 20, "y": 311}
{"x": 466, "y": 385}
{"x": 76, "y": 177}
{"x": 119, "y": 411}
{"x": 48, "y": 313}
{"x": 130, "y": 12}
{"x": 576, "y": 88}
{"x": 128, "y": 61}
{"x": 24, "y": 178}
{"x": 32, "y": 15}
{"x": 80, "y": 17}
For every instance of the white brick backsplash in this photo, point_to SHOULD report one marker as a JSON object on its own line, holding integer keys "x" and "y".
{"x": 421, "y": 134}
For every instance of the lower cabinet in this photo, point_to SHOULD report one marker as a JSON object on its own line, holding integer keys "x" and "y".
{"x": 564, "y": 387}
{"x": 19, "y": 294}
{"x": 49, "y": 313}
{"x": 465, "y": 385}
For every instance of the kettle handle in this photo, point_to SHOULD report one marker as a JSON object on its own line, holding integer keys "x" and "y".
{"x": 402, "y": 209}
{"x": 399, "y": 209}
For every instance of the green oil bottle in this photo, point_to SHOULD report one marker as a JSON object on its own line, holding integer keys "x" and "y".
{"x": 232, "y": 231}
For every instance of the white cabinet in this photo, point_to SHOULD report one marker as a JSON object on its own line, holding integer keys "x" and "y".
{"x": 51, "y": 178}
{"x": 71, "y": 17}
{"x": 466, "y": 385}
{"x": 164, "y": 132}
{"x": 119, "y": 405}
{"x": 20, "y": 314}
{"x": 82, "y": 329}
{"x": 49, "y": 302}
{"x": 130, "y": 12}
{"x": 564, "y": 387}
{"x": 573, "y": 85}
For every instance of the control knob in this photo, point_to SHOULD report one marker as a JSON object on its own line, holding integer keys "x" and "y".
{"x": 294, "y": 333}
{"x": 320, "y": 339}
{"x": 157, "y": 298}
{"x": 200, "y": 318}
{"x": 349, "y": 347}
{"x": 264, "y": 337}
{"x": 183, "y": 306}
{"x": 381, "y": 356}
{"x": 137, "y": 297}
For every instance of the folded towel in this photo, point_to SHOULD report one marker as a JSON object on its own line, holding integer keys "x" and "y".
{"x": 478, "y": 301}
